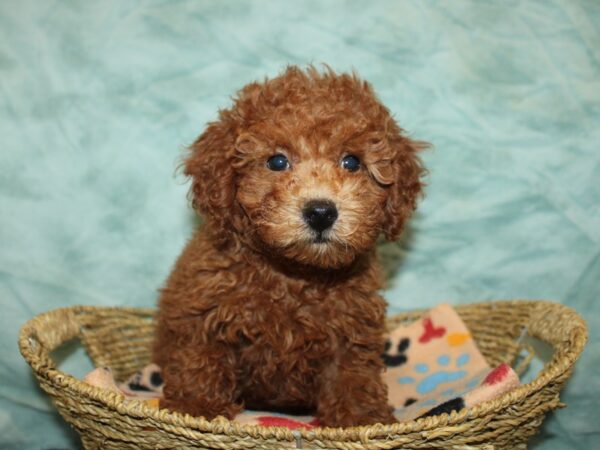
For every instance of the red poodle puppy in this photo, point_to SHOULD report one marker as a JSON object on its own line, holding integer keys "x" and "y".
{"x": 273, "y": 304}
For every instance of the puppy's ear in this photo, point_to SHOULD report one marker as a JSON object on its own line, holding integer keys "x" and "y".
{"x": 213, "y": 186}
{"x": 406, "y": 187}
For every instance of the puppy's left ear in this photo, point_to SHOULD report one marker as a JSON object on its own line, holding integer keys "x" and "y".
{"x": 406, "y": 186}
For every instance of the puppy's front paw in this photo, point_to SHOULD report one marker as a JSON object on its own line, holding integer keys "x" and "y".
{"x": 386, "y": 417}
{"x": 341, "y": 417}
{"x": 200, "y": 408}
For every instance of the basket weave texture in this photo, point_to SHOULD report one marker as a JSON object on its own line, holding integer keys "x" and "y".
{"x": 120, "y": 338}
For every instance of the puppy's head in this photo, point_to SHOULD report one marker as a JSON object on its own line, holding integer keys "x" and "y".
{"x": 309, "y": 166}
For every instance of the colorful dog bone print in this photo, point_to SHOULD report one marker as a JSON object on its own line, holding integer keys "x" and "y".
{"x": 433, "y": 367}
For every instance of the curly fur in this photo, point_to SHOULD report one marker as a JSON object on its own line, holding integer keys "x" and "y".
{"x": 256, "y": 313}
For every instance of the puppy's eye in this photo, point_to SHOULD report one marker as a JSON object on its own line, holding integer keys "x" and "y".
{"x": 351, "y": 163}
{"x": 278, "y": 163}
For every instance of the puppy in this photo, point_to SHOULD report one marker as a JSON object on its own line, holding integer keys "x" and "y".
{"x": 273, "y": 304}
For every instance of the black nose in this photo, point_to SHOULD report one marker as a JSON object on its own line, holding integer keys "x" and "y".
{"x": 319, "y": 214}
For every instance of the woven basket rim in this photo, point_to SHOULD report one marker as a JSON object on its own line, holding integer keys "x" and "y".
{"x": 428, "y": 425}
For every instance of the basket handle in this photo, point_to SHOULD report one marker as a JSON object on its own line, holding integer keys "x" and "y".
{"x": 567, "y": 334}
{"x": 45, "y": 333}
{"x": 561, "y": 327}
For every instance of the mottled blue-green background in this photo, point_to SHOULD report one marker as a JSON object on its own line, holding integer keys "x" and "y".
{"x": 98, "y": 99}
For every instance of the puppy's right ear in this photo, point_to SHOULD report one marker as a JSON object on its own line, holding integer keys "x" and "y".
{"x": 406, "y": 187}
{"x": 210, "y": 166}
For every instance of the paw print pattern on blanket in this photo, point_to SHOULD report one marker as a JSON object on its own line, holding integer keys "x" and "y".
{"x": 431, "y": 381}
{"x": 400, "y": 357}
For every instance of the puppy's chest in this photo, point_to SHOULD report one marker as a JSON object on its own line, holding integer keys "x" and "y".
{"x": 286, "y": 328}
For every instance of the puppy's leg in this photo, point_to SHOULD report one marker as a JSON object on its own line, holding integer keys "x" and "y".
{"x": 201, "y": 381}
{"x": 352, "y": 392}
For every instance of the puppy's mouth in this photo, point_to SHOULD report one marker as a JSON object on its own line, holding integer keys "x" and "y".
{"x": 320, "y": 238}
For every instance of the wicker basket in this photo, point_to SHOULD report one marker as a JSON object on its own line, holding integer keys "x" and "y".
{"x": 120, "y": 338}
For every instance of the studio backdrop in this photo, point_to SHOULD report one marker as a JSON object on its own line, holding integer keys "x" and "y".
{"x": 98, "y": 101}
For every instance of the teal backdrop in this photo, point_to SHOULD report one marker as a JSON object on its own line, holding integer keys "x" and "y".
{"x": 99, "y": 99}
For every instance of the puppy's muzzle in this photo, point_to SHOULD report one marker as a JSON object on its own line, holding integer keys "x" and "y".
{"x": 319, "y": 214}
